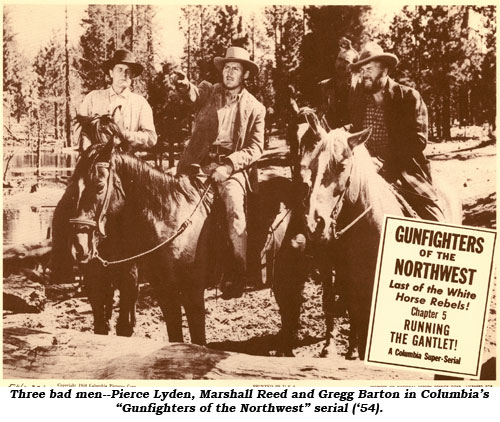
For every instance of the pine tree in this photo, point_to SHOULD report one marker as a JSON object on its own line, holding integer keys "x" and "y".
{"x": 95, "y": 48}
{"x": 15, "y": 80}
{"x": 285, "y": 27}
{"x": 50, "y": 84}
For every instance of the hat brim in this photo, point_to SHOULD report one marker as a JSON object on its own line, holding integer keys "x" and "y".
{"x": 388, "y": 58}
{"x": 137, "y": 68}
{"x": 219, "y": 63}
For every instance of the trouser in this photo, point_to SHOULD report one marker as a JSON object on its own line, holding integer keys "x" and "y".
{"x": 233, "y": 195}
{"x": 421, "y": 195}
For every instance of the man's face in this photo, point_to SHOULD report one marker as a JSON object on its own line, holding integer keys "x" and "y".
{"x": 372, "y": 74}
{"x": 233, "y": 75}
{"x": 121, "y": 75}
{"x": 342, "y": 68}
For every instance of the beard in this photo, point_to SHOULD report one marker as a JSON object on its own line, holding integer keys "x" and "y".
{"x": 373, "y": 85}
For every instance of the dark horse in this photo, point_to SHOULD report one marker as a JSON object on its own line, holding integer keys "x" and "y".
{"x": 126, "y": 209}
{"x": 343, "y": 217}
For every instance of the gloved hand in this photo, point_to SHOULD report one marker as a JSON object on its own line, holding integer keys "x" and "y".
{"x": 222, "y": 173}
{"x": 180, "y": 80}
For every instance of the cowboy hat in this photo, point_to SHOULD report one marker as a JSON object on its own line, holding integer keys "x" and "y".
{"x": 372, "y": 51}
{"x": 239, "y": 55}
{"x": 125, "y": 57}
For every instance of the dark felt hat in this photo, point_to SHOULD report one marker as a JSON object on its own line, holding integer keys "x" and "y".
{"x": 125, "y": 57}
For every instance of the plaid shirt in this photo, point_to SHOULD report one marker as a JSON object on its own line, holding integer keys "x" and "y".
{"x": 379, "y": 144}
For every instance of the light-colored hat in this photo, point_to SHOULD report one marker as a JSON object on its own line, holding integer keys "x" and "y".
{"x": 239, "y": 55}
{"x": 372, "y": 51}
{"x": 125, "y": 57}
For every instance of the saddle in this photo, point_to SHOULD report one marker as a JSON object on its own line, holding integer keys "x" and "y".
{"x": 268, "y": 215}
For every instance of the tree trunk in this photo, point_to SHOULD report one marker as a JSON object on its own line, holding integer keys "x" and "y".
{"x": 446, "y": 114}
{"x": 56, "y": 132}
{"x": 132, "y": 28}
{"x": 66, "y": 354}
{"x": 67, "y": 122}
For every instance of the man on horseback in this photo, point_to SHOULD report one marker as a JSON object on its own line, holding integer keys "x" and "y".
{"x": 134, "y": 117}
{"x": 334, "y": 91}
{"x": 133, "y": 113}
{"x": 226, "y": 142}
{"x": 398, "y": 118}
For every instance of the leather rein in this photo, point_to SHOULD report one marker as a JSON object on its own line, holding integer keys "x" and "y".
{"x": 337, "y": 208}
{"x": 99, "y": 223}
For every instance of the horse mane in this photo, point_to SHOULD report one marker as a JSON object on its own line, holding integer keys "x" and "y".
{"x": 158, "y": 188}
{"x": 372, "y": 189}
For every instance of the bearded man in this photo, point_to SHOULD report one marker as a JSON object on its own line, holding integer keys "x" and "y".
{"x": 397, "y": 115}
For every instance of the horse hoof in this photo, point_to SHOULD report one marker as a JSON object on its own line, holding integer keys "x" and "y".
{"x": 328, "y": 351}
{"x": 352, "y": 354}
{"x": 124, "y": 331}
{"x": 232, "y": 291}
{"x": 286, "y": 353}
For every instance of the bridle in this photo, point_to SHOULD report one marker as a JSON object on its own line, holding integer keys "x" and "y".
{"x": 337, "y": 209}
{"x": 100, "y": 221}
{"x": 98, "y": 224}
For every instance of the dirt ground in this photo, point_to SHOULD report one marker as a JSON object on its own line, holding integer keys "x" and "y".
{"x": 249, "y": 324}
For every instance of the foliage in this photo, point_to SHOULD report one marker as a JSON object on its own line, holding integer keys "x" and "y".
{"x": 15, "y": 78}
{"x": 442, "y": 54}
{"x": 112, "y": 27}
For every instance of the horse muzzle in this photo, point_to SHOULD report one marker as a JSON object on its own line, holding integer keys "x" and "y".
{"x": 83, "y": 243}
{"x": 319, "y": 229}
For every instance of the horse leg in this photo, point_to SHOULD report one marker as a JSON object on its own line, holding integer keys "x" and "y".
{"x": 129, "y": 285}
{"x": 169, "y": 300}
{"x": 288, "y": 284}
{"x": 329, "y": 304}
{"x": 194, "y": 305}
{"x": 100, "y": 294}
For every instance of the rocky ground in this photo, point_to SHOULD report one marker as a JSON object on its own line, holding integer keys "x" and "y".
{"x": 249, "y": 324}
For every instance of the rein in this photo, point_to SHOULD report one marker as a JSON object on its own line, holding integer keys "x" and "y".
{"x": 177, "y": 233}
{"x": 337, "y": 208}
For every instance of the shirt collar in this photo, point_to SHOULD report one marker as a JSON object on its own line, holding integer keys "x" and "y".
{"x": 238, "y": 97}
{"x": 112, "y": 94}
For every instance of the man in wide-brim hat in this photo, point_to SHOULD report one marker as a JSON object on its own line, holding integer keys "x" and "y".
{"x": 397, "y": 115}
{"x": 333, "y": 92}
{"x": 133, "y": 115}
{"x": 227, "y": 140}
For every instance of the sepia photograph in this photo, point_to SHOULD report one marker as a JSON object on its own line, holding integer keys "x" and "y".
{"x": 249, "y": 192}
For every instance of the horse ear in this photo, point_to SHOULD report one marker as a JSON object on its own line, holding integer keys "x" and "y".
{"x": 118, "y": 108}
{"x": 358, "y": 138}
{"x": 294, "y": 106}
{"x": 314, "y": 123}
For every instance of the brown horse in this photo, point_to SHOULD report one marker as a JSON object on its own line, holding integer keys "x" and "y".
{"x": 162, "y": 222}
{"x": 343, "y": 217}
{"x": 99, "y": 282}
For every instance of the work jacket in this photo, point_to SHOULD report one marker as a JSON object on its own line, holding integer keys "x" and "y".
{"x": 248, "y": 134}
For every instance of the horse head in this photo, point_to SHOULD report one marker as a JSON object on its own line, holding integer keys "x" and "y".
{"x": 326, "y": 167}
{"x": 100, "y": 129}
{"x": 99, "y": 194}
